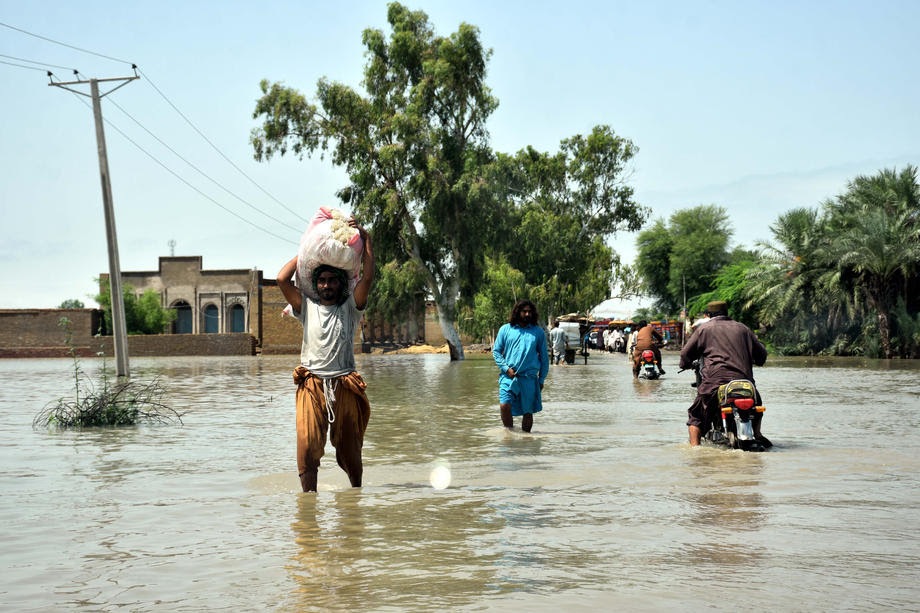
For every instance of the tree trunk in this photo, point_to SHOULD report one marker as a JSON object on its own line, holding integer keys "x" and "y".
{"x": 413, "y": 323}
{"x": 877, "y": 296}
{"x": 884, "y": 332}
{"x": 451, "y": 335}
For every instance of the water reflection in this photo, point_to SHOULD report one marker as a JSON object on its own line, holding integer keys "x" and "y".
{"x": 647, "y": 390}
{"x": 725, "y": 503}
{"x": 326, "y": 568}
{"x": 358, "y": 549}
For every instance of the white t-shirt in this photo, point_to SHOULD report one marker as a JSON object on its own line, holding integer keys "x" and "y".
{"x": 557, "y": 338}
{"x": 328, "y": 348}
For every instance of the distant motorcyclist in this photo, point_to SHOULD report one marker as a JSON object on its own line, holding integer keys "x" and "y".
{"x": 647, "y": 337}
{"x": 729, "y": 350}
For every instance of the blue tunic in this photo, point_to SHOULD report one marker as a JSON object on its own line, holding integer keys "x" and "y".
{"x": 524, "y": 350}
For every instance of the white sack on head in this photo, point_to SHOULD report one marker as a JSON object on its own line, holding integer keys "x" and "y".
{"x": 328, "y": 240}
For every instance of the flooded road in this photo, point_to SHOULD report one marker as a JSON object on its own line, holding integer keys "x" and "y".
{"x": 603, "y": 506}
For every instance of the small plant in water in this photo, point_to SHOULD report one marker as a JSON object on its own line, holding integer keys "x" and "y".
{"x": 116, "y": 404}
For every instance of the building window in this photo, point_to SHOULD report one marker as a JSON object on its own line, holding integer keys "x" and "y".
{"x": 211, "y": 319}
{"x": 237, "y": 319}
{"x": 183, "y": 323}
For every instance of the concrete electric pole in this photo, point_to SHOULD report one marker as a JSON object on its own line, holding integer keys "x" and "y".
{"x": 120, "y": 333}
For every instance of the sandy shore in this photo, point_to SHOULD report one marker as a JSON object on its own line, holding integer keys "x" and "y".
{"x": 414, "y": 349}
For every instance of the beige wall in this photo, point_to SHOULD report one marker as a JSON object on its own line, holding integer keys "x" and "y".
{"x": 39, "y": 327}
{"x": 182, "y": 279}
{"x": 36, "y": 333}
{"x": 279, "y": 334}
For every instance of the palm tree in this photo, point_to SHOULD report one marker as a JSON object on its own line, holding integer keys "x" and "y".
{"x": 875, "y": 227}
{"x": 894, "y": 192}
{"x": 881, "y": 253}
{"x": 795, "y": 287}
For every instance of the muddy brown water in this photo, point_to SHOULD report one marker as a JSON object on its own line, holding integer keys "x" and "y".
{"x": 604, "y": 506}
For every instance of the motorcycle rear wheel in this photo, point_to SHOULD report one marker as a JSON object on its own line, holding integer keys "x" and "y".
{"x": 733, "y": 440}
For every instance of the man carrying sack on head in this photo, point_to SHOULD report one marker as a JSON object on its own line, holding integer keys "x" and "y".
{"x": 330, "y": 393}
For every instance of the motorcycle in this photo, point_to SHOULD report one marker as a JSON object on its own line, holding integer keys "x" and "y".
{"x": 739, "y": 410}
{"x": 648, "y": 365}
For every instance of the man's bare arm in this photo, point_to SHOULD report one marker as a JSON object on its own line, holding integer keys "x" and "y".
{"x": 291, "y": 293}
{"x": 363, "y": 288}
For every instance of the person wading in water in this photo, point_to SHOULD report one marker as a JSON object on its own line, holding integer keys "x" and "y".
{"x": 520, "y": 353}
{"x": 330, "y": 393}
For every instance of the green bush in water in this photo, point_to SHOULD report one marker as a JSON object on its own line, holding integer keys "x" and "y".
{"x": 126, "y": 403}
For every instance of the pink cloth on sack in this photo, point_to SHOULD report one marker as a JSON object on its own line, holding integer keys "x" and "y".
{"x": 328, "y": 240}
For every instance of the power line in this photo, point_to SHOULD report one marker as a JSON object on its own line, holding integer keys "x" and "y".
{"x": 173, "y": 173}
{"x": 213, "y": 146}
{"x": 201, "y": 172}
{"x": 181, "y": 114}
{"x": 22, "y": 59}
{"x": 23, "y": 66}
{"x": 57, "y": 42}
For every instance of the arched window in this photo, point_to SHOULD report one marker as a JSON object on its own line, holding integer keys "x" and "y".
{"x": 211, "y": 320}
{"x": 183, "y": 323}
{"x": 237, "y": 319}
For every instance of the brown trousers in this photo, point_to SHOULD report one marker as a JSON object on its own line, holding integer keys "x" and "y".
{"x": 352, "y": 412}
{"x": 637, "y": 358}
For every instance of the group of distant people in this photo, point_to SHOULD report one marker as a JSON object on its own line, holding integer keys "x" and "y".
{"x": 614, "y": 339}
{"x": 729, "y": 350}
{"x": 330, "y": 396}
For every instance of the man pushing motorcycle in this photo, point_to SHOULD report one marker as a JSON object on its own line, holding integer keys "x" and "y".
{"x": 728, "y": 350}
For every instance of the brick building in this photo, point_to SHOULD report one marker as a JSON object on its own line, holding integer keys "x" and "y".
{"x": 206, "y": 301}
{"x": 37, "y": 333}
{"x": 220, "y": 312}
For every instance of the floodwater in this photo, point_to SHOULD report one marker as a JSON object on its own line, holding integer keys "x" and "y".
{"x": 603, "y": 507}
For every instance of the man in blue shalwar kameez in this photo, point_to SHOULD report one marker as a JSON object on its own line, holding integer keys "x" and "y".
{"x": 520, "y": 352}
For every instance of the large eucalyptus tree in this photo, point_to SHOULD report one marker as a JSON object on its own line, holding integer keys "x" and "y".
{"x": 414, "y": 144}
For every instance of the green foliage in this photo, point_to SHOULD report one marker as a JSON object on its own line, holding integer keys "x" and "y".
{"x": 502, "y": 286}
{"x": 71, "y": 303}
{"x": 653, "y": 262}
{"x": 907, "y": 330}
{"x": 398, "y": 289}
{"x": 626, "y": 282}
{"x": 415, "y": 146}
{"x": 649, "y": 314}
{"x": 683, "y": 256}
{"x": 422, "y": 173}
{"x": 144, "y": 315}
{"x": 123, "y": 403}
{"x": 563, "y": 208}
{"x": 844, "y": 279}
{"x": 730, "y": 285}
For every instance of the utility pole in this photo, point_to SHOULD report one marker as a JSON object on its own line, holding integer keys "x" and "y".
{"x": 120, "y": 333}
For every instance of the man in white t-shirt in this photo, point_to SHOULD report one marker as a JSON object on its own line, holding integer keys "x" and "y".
{"x": 558, "y": 343}
{"x": 330, "y": 393}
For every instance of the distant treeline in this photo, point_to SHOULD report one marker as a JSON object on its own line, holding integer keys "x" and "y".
{"x": 837, "y": 279}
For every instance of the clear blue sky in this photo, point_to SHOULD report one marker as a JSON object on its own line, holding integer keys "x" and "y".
{"x": 756, "y": 106}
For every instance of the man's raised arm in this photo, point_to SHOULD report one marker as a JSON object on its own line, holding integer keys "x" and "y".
{"x": 291, "y": 293}
{"x": 363, "y": 288}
